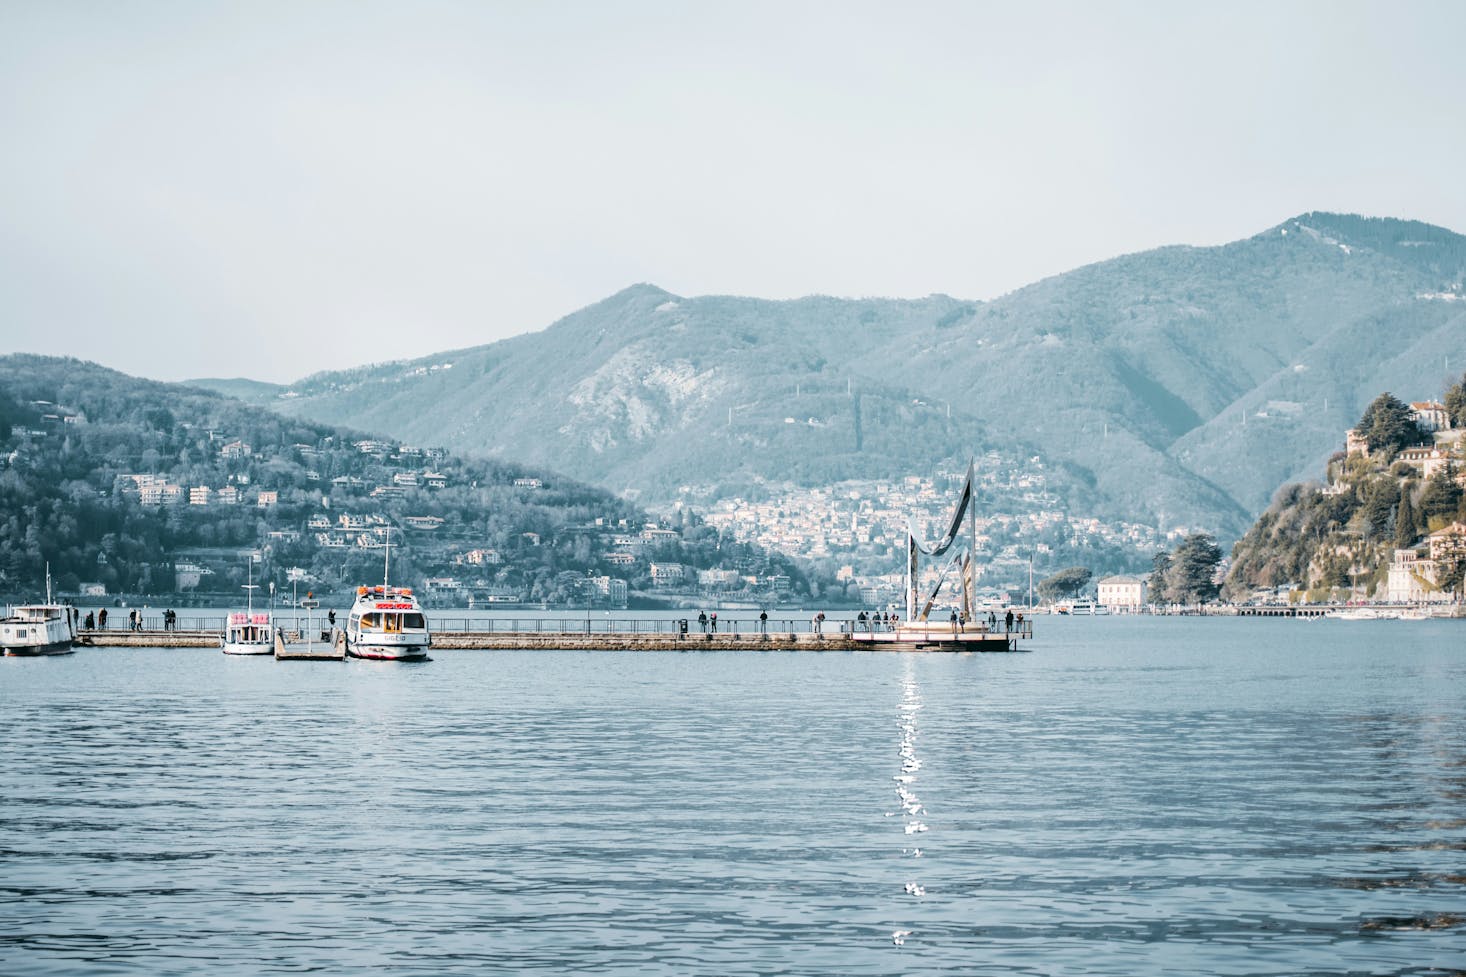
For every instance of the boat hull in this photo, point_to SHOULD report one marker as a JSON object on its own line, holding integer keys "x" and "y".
{"x": 939, "y": 637}
{"x": 378, "y": 652}
{"x": 63, "y": 647}
{"x": 249, "y": 648}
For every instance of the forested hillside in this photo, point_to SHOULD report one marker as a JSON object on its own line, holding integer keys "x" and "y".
{"x": 1336, "y": 540}
{"x": 145, "y": 487}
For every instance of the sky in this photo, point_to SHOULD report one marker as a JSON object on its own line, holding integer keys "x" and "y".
{"x": 264, "y": 189}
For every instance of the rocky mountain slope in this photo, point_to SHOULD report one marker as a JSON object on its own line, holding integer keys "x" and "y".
{"x": 1178, "y": 386}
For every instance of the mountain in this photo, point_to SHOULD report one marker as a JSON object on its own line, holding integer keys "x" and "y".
{"x": 1177, "y": 387}
{"x": 138, "y": 486}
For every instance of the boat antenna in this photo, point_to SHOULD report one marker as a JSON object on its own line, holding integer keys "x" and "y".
{"x": 48, "y": 581}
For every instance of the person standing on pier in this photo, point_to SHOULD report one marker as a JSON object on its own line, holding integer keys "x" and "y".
{"x": 713, "y": 622}
{"x": 702, "y": 621}
{"x": 763, "y": 622}
{"x": 102, "y": 619}
{"x": 1008, "y": 620}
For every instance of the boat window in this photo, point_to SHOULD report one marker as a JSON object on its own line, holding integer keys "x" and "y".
{"x": 392, "y": 622}
{"x": 369, "y": 620}
{"x": 413, "y": 621}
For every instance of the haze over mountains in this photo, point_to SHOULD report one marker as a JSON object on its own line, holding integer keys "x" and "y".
{"x": 1178, "y": 387}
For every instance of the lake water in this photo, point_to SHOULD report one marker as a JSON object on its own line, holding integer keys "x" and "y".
{"x": 1137, "y": 796}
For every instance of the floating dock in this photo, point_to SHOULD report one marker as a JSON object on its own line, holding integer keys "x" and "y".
{"x": 324, "y": 646}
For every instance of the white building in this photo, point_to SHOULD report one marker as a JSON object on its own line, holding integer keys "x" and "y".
{"x": 1430, "y": 415}
{"x": 1122, "y": 594}
{"x": 1412, "y": 580}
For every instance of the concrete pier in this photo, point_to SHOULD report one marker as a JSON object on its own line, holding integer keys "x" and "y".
{"x": 606, "y": 641}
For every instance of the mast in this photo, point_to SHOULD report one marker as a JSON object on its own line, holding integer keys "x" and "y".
{"x": 971, "y": 595}
{"x": 48, "y": 581}
{"x": 911, "y": 578}
{"x": 249, "y": 588}
{"x": 386, "y": 558}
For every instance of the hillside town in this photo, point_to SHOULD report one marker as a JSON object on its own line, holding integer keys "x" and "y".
{"x": 858, "y": 527}
{"x": 193, "y": 504}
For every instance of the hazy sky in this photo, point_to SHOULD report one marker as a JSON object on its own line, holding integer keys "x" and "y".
{"x": 193, "y": 189}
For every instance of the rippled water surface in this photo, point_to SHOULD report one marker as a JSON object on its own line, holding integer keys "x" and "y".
{"x": 1135, "y": 797}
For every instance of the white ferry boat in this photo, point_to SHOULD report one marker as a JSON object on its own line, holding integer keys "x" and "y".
{"x": 387, "y": 623}
{"x": 248, "y": 633}
{"x": 39, "y": 629}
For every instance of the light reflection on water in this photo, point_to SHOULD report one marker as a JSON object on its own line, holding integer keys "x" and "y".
{"x": 1136, "y": 797}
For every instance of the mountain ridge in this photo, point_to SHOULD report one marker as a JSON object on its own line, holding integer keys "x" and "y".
{"x": 1129, "y": 371}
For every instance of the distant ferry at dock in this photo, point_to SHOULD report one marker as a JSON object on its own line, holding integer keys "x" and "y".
{"x": 387, "y": 623}
{"x": 1081, "y": 608}
{"x": 39, "y": 629}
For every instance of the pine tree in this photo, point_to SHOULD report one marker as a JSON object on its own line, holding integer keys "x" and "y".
{"x": 1442, "y": 496}
{"x": 1387, "y": 425}
{"x": 1456, "y": 403}
{"x": 1406, "y": 529}
{"x": 1157, "y": 582}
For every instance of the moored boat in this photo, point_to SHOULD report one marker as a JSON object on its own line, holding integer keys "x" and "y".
{"x": 387, "y": 623}
{"x": 39, "y": 629}
{"x": 248, "y": 633}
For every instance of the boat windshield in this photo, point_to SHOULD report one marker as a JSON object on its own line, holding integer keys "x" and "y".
{"x": 392, "y": 623}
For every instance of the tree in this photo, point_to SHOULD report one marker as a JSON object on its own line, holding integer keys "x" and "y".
{"x": 1388, "y": 425}
{"x": 1156, "y": 584}
{"x": 1064, "y": 583}
{"x": 1190, "y": 577}
{"x": 1380, "y": 499}
{"x": 1456, "y": 403}
{"x": 1442, "y": 496}
{"x": 1406, "y": 530}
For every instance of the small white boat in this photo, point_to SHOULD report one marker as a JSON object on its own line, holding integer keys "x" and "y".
{"x": 387, "y": 623}
{"x": 39, "y": 629}
{"x": 248, "y": 633}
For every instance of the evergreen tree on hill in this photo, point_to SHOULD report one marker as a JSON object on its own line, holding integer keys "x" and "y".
{"x": 1442, "y": 496}
{"x": 1456, "y": 403}
{"x": 1406, "y": 529}
{"x": 1388, "y": 426}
